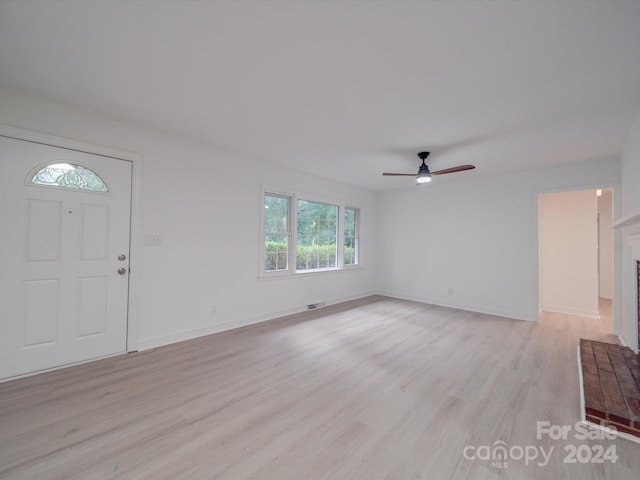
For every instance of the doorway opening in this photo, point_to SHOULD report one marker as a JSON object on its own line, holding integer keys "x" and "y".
{"x": 576, "y": 253}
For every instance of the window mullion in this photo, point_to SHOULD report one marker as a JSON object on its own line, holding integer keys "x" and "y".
{"x": 293, "y": 240}
{"x": 340, "y": 235}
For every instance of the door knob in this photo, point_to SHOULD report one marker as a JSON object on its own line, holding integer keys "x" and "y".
{"x": 122, "y": 257}
{"x": 122, "y": 271}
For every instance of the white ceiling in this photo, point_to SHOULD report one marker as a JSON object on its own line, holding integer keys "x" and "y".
{"x": 345, "y": 90}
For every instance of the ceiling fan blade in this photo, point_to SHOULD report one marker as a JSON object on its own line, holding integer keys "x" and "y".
{"x": 459, "y": 168}
{"x": 399, "y": 174}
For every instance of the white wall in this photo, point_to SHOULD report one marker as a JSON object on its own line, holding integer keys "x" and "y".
{"x": 475, "y": 237}
{"x": 473, "y": 243}
{"x": 569, "y": 252}
{"x": 630, "y": 175}
{"x": 206, "y": 205}
{"x": 605, "y": 244}
{"x": 630, "y": 170}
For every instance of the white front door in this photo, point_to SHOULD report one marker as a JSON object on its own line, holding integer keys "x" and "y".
{"x": 64, "y": 271}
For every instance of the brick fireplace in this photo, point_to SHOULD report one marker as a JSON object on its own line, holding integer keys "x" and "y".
{"x": 611, "y": 372}
{"x": 611, "y": 385}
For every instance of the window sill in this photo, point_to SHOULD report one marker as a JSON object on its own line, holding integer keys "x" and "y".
{"x": 308, "y": 273}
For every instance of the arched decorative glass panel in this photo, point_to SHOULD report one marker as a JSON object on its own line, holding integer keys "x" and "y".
{"x": 67, "y": 175}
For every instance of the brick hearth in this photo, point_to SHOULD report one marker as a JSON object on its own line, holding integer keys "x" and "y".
{"x": 611, "y": 382}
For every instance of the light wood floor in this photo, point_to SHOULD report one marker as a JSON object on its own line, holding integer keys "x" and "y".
{"x": 372, "y": 389}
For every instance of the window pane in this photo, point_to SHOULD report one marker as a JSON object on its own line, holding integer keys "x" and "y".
{"x": 317, "y": 232}
{"x": 349, "y": 222}
{"x": 276, "y": 214}
{"x": 351, "y": 235}
{"x": 276, "y": 233}
{"x": 69, "y": 176}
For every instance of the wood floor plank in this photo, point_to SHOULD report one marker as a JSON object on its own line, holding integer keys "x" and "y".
{"x": 377, "y": 388}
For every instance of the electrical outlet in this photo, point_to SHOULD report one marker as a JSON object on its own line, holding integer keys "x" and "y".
{"x": 152, "y": 240}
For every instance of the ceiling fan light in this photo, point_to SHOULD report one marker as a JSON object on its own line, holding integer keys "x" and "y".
{"x": 423, "y": 178}
{"x": 424, "y": 175}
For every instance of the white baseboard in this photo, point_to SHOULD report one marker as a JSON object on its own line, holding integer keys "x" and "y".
{"x": 154, "y": 342}
{"x": 146, "y": 344}
{"x": 464, "y": 306}
{"x": 571, "y": 311}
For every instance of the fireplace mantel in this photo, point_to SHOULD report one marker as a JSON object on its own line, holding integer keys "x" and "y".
{"x": 629, "y": 225}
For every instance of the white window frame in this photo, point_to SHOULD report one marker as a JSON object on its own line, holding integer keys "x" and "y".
{"x": 288, "y": 233}
{"x": 293, "y": 197}
{"x": 356, "y": 237}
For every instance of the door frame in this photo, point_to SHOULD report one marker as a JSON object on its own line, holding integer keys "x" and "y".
{"x": 135, "y": 245}
{"x": 617, "y": 253}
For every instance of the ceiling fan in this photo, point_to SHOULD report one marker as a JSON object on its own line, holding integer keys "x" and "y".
{"x": 424, "y": 175}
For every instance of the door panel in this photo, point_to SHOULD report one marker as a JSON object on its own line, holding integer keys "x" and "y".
{"x": 43, "y": 231}
{"x": 41, "y": 312}
{"x": 63, "y": 299}
{"x": 93, "y": 305}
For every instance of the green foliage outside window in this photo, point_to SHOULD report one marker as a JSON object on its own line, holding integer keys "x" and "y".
{"x": 316, "y": 239}
{"x": 317, "y": 256}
